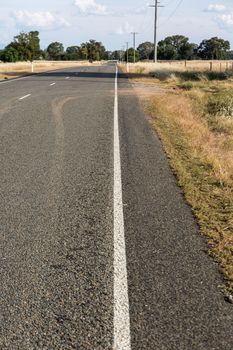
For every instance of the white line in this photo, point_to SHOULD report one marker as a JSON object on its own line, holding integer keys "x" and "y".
{"x": 52, "y": 84}
{"x": 67, "y": 77}
{"x": 22, "y": 98}
{"x": 14, "y": 79}
{"x": 121, "y": 298}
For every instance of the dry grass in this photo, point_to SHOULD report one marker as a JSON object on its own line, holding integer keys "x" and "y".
{"x": 12, "y": 70}
{"x": 181, "y": 66}
{"x": 194, "y": 119}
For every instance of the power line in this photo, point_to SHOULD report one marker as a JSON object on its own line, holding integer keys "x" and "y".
{"x": 173, "y": 12}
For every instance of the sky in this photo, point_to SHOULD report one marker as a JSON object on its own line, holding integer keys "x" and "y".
{"x": 111, "y": 22}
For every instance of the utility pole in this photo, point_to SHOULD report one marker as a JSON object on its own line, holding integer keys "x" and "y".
{"x": 123, "y": 50}
{"x": 127, "y": 52}
{"x": 134, "y": 44}
{"x": 127, "y": 56}
{"x": 156, "y": 5}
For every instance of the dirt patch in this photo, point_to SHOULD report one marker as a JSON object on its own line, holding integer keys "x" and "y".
{"x": 8, "y": 76}
{"x": 144, "y": 90}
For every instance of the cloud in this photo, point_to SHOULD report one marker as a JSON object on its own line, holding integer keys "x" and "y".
{"x": 90, "y": 7}
{"x": 126, "y": 28}
{"x": 215, "y": 8}
{"x": 45, "y": 20}
{"x": 225, "y": 21}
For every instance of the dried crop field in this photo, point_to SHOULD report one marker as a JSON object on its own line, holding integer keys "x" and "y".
{"x": 197, "y": 66}
{"x": 12, "y": 70}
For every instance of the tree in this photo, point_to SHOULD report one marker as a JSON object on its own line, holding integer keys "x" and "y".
{"x": 131, "y": 55}
{"x": 176, "y": 47}
{"x": 93, "y": 50}
{"x": 27, "y": 45}
{"x": 9, "y": 55}
{"x": 55, "y": 51}
{"x": 73, "y": 53}
{"x": 166, "y": 51}
{"x": 83, "y": 51}
{"x": 96, "y": 50}
{"x": 146, "y": 50}
{"x": 188, "y": 51}
{"x": 34, "y": 45}
{"x": 229, "y": 55}
{"x": 214, "y": 49}
{"x": 116, "y": 55}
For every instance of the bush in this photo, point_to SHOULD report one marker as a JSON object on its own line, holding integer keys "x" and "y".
{"x": 221, "y": 104}
{"x": 186, "y": 85}
{"x": 217, "y": 75}
{"x": 9, "y": 55}
{"x": 193, "y": 76}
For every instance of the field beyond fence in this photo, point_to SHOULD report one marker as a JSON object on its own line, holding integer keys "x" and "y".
{"x": 12, "y": 70}
{"x": 198, "y": 66}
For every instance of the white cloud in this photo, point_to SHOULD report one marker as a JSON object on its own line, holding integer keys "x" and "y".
{"x": 225, "y": 21}
{"x": 90, "y": 7}
{"x": 126, "y": 28}
{"x": 215, "y": 8}
{"x": 44, "y": 20}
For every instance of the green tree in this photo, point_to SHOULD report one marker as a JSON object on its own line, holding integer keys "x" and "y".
{"x": 131, "y": 55}
{"x": 34, "y": 45}
{"x": 116, "y": 55}
{"x": 9, "y": 55}
{"x": 83, "y": 51}
{"x": 188, "y": 51}
{"x": 214, "y": 49}
{"x": 93, "y": 50}
{"x": 55, "y": 51}
{"x": 176, "y": 47}
{"x": 146, "y": 50}
{"x": 73, "y": 53}
{"x": 27, "y": 45}
{"x": 166, "y": 51}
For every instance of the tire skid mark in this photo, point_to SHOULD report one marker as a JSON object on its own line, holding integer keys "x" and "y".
{"x": 58, "y": 157}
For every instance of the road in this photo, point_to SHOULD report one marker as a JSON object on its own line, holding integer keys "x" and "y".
{"x": 98, "y": 248}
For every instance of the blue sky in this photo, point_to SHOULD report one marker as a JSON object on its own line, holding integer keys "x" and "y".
{"x": 74, "y": 21}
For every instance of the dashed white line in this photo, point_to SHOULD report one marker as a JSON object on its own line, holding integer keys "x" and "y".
{"x": 52, "y": 84}
{"x": 23, "y": 97}
{"x": 122, "y": 337}
{"x": 67, "y": 77}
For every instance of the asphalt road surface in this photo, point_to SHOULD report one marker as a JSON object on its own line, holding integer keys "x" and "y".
{"x": 98, "y": 248}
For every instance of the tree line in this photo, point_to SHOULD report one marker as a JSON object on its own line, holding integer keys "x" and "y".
{"x": 26, "y": 47}
{"x": 178, "y": 47}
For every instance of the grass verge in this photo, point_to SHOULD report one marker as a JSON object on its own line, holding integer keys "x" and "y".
{"x": 194, "y": 119}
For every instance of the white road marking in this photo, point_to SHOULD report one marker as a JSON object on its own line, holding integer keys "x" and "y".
{"x": 67, "y": 77}
{"x": 13, "y": 79}
{"x": 122, "y": 339}
{"x": 22, "y": 98}
{"x": 52, "y": 84}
